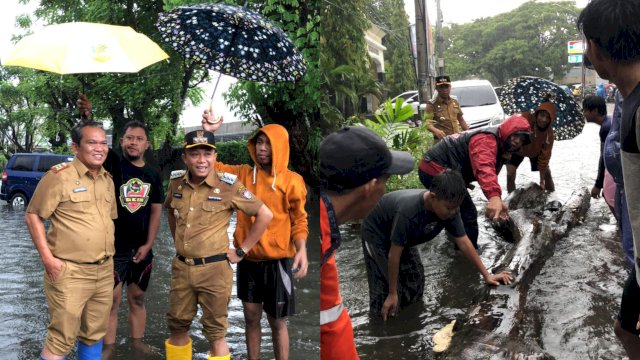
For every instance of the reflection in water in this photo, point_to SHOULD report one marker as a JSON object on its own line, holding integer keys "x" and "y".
{"x": 571, "y": 304}
{"x": 23, "y": 309}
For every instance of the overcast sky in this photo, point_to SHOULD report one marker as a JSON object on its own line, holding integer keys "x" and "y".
{"x": 463, "y": 11}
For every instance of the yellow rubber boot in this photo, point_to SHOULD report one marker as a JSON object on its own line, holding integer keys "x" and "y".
{"x": 221, "y": 357}
{"x": 175, "y": 352}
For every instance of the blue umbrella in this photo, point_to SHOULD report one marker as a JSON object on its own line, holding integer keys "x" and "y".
{"x": 232, "y": 40}
{"x": 525, "y": 93}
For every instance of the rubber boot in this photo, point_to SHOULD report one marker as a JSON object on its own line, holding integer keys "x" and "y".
{"x": 175, "y": 352}
{"x": 89, "y": 352}
{"x": 221, "y": 357}
{"x": 43, "y": 358}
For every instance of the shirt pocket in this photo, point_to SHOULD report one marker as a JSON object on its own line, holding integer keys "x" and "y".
{"x": 80, "y": 200}
{"x": 179, "y": 209}
{"x": 210, "y": 211}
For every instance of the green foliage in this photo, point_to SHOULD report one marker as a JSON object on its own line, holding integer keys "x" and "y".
{"x": 390, "y": 125}
{"x": 530, "y": 40}
{"x": 234, "y": 153}
{"x": 398, "y": 135}
{"x": 400, "y": 71}
{"x": 344, "y": 62}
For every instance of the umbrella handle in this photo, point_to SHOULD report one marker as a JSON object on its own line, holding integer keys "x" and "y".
{"x": 215, "y": 87}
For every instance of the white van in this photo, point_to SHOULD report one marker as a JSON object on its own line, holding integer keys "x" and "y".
{"x": 479, "y": 102}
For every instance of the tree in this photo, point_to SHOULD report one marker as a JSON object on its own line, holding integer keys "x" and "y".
{"x": 341, "y": 46}
{"x": 399, "y": 64}
{"x": 529, "y": 40}
{"x": 296, "y": 106}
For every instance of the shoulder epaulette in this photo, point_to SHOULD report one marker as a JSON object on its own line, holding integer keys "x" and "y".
{"x": 175, "y": 174}
{"x": 228, "y": 178}
{"x": 59, "y": 167}
{"x": 108, "y": 174}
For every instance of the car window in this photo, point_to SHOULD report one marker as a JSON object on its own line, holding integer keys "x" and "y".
{"x": 474, "y": 95}
{"x": 46, "y": 162}
{"x": 23, "y": 163}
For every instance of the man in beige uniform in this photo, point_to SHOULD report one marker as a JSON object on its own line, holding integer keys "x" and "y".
{"x": 447, "y": 115}
{"x": 79, "y": 199}
{"x": 199, "y": 205}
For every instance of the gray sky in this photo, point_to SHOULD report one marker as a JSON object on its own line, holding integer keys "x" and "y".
{"x": 463, "y": 11}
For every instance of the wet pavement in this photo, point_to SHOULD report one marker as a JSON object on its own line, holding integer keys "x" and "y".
{"x": 571, "y": 304}
{"x": 24, "y": 318}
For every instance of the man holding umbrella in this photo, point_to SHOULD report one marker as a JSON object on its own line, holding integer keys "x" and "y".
{"x": 539, "y": 150}
{"x": 139, "y": 193}
{"x": 199, "y": 205}
{"x": 264, "y": 277}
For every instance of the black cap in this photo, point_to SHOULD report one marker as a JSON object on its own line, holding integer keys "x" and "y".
{"x": 354, "y": 155}
{"x": 199, "y": 138}
{"x": 443, "y": 80}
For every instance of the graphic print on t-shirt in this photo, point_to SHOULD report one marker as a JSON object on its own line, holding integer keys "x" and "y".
{"x": 134, "y": 194}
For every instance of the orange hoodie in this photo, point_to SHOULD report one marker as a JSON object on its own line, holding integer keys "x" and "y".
{"x": 541, "y": 141}
{"x": 282, "y": 190}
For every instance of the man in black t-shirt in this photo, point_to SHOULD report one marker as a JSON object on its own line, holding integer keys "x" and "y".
{"x": 400, "y": 221}
{"x": 139, "y": 198}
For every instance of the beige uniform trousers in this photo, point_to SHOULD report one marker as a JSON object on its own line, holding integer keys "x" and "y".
{"x": 206, "y": 285}
{"x": 79, "y": 304}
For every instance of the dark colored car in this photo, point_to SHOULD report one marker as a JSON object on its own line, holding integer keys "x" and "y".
{"x": 22, "y": 174}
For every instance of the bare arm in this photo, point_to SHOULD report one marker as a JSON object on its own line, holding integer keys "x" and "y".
{"x": 300, "y": 261}
{"x": 263, "y": 218}
{"x": 52, "y": 265}
{"x": 390, "y": 305}
{"x": 464, "y": 244}
{"x": 154, "y": 224}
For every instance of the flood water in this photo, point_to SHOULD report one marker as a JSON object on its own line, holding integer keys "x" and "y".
{"x": 23, "y": 308}
{"x": 571, "y": 304}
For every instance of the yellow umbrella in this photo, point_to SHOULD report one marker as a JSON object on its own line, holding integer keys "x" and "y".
{"x": 80, "y": 47}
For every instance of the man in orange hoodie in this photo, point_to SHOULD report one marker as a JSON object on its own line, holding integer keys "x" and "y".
{"x": 539, "y": 150}
{"x": 264, "y": 278}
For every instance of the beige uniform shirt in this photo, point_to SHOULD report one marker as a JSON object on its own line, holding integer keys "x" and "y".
{"x": 81, "y": 210}
{"x": 445, "y": 115}
{"x": 203, "y": 211}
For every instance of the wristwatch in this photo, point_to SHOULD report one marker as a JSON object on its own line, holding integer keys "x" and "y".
{"x": 240, "y": 252}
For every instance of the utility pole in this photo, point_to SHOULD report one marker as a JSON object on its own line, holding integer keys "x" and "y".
{"x": 439, "y": 40}
{"x": 424, "y": 83}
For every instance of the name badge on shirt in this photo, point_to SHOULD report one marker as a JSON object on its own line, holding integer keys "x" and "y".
{"x": 177, "y": 195}
{"x": 80, "y": 189}
{"x": 215, "y": 198}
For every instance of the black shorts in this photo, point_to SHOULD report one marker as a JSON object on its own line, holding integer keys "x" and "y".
{"x": 269, "y": 283}
{"x": 630, "y": 304}
{"x": 128, "y": 272}
{"x": 515, "y": 160}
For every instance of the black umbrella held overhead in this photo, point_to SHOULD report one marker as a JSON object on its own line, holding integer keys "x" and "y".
{"x": 525, "y": 93}
{"x": 232, "y": 40}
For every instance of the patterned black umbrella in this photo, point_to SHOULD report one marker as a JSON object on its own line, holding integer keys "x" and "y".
{"x": 232, "y": 40}
{"x": 525, "y": 93}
